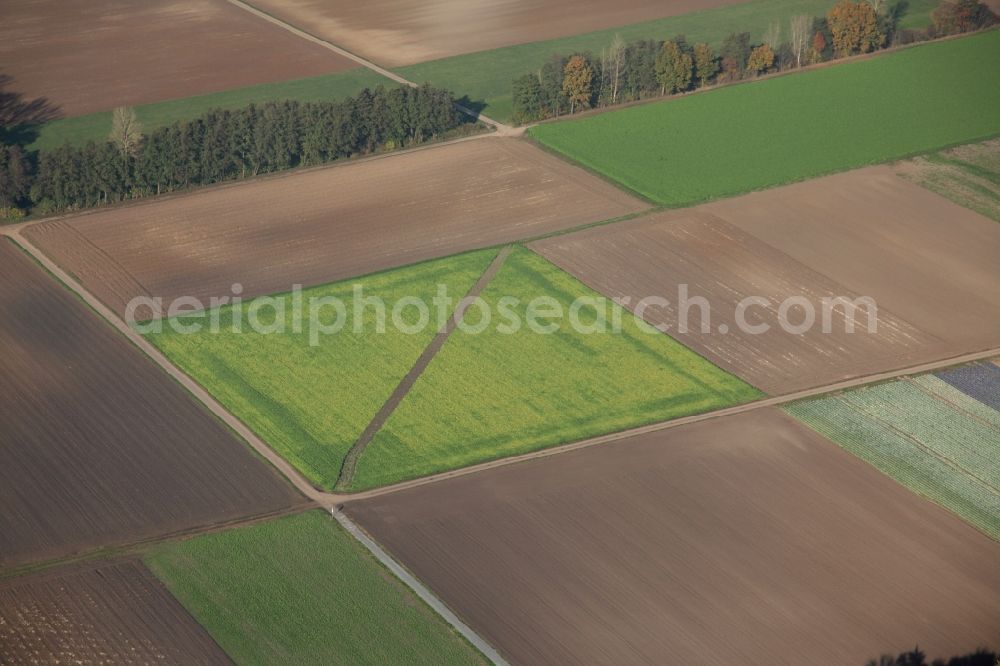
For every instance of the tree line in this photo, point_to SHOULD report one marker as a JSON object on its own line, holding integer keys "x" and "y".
{"x": 219, "y": 145}
{"x": 625, "y": 72}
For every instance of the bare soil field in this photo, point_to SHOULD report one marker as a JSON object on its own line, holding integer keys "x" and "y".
{"x": 97, "y": 446}
{"x": 87, "y": 56}
{"x": 849, "y": 235}
{"x": 402, "y": 32}
{"x": 746, "y": 539}
{"x": 328, "y": 224}
{"x": 113, "y": 614}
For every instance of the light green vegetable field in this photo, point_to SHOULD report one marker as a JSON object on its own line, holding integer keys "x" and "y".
{"x": 495, "y": 394}
{"x": 925, "y": 434}
{"x": 310, "y": 403}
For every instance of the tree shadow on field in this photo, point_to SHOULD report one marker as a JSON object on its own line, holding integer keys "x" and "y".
{"x": 20, "y": 118}
{"x": 916, "y": 657}
{"x": 475, "y": 107}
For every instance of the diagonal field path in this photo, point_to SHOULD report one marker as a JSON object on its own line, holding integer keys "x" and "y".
{"x": 351, "y": 459}
{"x": 502, "y": 129}
{"x": 330, "y": 500}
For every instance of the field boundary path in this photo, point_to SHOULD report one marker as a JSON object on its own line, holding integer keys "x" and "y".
{"x": 418, "y": 588}
{"x": 329, "y": 500}
{"x": 502, "y": 129}
{"x": 297, "y": 480}
{"x": 404, "y": 386}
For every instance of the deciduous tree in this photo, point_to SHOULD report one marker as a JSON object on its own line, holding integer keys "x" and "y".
{"x": 761, "y": 60}
{"x": 578, "y": 82}
{"x": 706, "y": 65}
{"x": 817, "y": 48}
{"x": 126, "y": 132}
{"x": 799, "y": 30}
{"x": 735, "y": 51}
{"x": 855, "y": 28}
{"x": 674, "y": 68}
{"x": 527, "y": 98}
{"x": 951, "y": 18}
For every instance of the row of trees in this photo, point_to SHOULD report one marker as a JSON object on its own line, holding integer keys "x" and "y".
{"x": 220, "y": 145}
{"x": 648, "y": 68}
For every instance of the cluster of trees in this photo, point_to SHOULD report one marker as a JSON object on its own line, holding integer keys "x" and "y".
{"x": 916, "y": 657}
{"x": 220, "y": 145}
{"x": 648, "y": 68}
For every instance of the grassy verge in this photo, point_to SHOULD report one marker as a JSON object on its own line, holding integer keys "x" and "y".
{"x": 496, "y": 394}
{"x": 968, "y": 175}
{"x": 96, "y": 126}
{"x": 310, "y": 403}
{"x": 486, "y": 76}
{"x": 925, "y": 434}
{"x": 300, "y": 590}
{"x": 760, "y": 134}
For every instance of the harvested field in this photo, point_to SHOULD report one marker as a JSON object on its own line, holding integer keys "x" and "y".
{"x": 98, "y": 447}
{"x": 748, "y": 539}
{"x": 926, "y": 434}
{"x": 401, "y": 32}
{"x": 301, "y": 590}
{"x": 113, "y": 614}
{"x": 327, "y": 224}
{"x": 848, "y": 235}
{"x": 93, "y": 56}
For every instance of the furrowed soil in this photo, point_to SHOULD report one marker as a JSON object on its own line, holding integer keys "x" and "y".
{"x": 98, "y": 448}
{"x": 115, "y": 613}
{"x": 747, "y": 539}
{"x": 402, "y": 32}
{"x": 328, "y": 224}
{"x": 851, "y": 235}
{"x": 93, "y": 56}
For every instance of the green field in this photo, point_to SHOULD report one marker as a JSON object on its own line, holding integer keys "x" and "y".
{"x": 925, "y": 434}
{"x": 300, "y": 590}
{"x": 310, "y": 403}
{"x": 486, "y": 76}
{"x": 760, "y": 134}
{"x": 96, "y": 126}
{"x": 496, "y": 394}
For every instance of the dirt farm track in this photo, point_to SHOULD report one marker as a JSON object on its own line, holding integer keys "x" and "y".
{"x": 94, "y": 55}
{"x": 98, "y": 447}
{"x": 745, "y": 539}
{"x": 333, "y": 223}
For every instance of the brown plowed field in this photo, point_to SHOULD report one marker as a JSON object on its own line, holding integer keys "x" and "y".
{"x": 328, "y": 224}
{"x": 747, "y": 539}
{"x": 401, "y": 32}
{"x": 97, "y": 446}
{"x": 929, "y": 265}
{"x": 113, "y": 614}
{"x": 94, "y": 55}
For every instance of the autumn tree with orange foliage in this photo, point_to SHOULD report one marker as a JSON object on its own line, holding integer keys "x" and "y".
{"x": 815, "y": 54}
{"x": 761, "y": 60}
{"x": 578, "y": 82}
{"x": 855, "y": 28}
